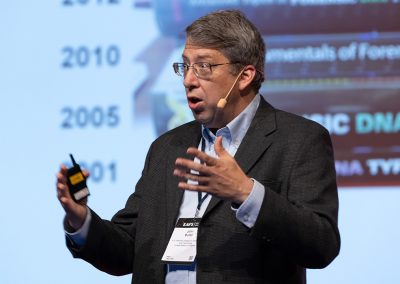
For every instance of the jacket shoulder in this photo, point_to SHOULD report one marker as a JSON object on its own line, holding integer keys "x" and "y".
{"x": 296, "y": 123}
{"x": 187, "y": 130}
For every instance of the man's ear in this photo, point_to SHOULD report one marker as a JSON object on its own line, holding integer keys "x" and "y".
{"x": 247, "y": 77}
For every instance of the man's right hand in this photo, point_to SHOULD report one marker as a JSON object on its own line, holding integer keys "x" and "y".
{"x": 75, "y": 211}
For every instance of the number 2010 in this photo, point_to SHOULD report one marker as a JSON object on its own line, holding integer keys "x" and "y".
{"x": 83, "y": 56}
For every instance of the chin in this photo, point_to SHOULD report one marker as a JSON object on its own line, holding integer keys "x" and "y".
{"x": 201, "y": 120}
{"x": 200, "y": 117}
{"x": 208, "y": 120}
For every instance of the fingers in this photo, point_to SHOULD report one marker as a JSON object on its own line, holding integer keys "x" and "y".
{"x": 201, "y": 179}
{"x": 203, "y": 157}
{"x": 194, "y": 187}
{"x": 85, "y": 173}
{"x": 62, "y": 179}
{"x": 75, "y": 211}
{"x": 185, "y": 164}
{"x": 219, "y": 176}
{"x": 205, "y": 167}
{"x": 63, "y": 193}
{"x": 219, "y": 149}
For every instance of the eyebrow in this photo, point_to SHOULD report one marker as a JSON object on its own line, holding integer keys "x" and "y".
{"x": 200, "y": 57}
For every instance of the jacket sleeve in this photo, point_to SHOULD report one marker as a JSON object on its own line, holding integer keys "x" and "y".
{"x": 110, "y": 245}
{"x": 302, "y": 222}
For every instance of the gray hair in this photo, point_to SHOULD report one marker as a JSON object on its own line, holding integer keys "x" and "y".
{"x": 230, "y": 32}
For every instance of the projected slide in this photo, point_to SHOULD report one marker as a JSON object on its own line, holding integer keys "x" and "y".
{"x": 94, "y": 78}
{"x": 335, "y": 62}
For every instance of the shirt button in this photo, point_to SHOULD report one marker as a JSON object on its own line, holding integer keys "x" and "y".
{"x": 246, "y": 217}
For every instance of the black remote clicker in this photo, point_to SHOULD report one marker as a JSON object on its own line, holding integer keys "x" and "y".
{"x": 76, "y": 181}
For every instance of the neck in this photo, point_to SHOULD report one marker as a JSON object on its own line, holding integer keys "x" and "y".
{"x": 233, "y": 108}
{"x": 213, "y": 130}
{"x": 237, "y": 105}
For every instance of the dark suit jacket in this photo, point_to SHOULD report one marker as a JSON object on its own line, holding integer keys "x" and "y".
{"x": 296, "y": 227}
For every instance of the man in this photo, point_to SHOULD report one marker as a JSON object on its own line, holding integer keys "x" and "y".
{"x": 260, "y": 181}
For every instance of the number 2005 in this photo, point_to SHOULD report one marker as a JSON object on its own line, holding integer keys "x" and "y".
{"x": 85, "y": 2}
{"x": 83, "y": 117}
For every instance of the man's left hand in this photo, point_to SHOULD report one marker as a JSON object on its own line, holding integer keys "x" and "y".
{"x": 221, "y": 177}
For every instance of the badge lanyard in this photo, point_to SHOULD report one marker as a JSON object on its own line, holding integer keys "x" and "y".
{"x": 182, "y": 246}
{"x": 199, "y": 194}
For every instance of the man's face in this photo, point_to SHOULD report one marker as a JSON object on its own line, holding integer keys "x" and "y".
{"x": 203, "y": 94}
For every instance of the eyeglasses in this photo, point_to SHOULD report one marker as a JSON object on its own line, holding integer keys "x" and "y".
{"x": 202, "y": 70}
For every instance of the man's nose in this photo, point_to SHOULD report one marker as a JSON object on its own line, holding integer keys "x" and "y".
{"x": 190, "y": 79}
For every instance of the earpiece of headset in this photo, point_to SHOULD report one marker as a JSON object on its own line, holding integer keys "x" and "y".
{"x": 222, "y": 102}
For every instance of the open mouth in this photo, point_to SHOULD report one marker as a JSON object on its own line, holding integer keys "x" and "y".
{"x": 195, "y": 104}
{"x": 194, "y": 100}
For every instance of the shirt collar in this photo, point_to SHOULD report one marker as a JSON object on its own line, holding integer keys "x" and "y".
{"x": 235, "y": 130}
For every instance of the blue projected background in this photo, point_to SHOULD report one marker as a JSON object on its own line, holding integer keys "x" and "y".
{"x": 94, "y": 78}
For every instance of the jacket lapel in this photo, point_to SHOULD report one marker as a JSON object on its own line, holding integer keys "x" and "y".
{"x": 255, "y": 142}
{"x": 189, "y": 137}
{"x": 258, "y": 138}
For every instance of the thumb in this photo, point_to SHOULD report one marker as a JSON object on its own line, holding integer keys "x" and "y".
{"x": 86, "y": 173}
{"x": 219, "y": 149}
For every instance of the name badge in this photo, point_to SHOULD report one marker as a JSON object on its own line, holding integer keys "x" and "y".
{"x": 182, "y": 245}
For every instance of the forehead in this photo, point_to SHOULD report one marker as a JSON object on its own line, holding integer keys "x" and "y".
{"x": 193, "y": 53}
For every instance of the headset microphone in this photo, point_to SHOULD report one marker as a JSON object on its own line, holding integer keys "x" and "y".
{"x": 222, "y": 102}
